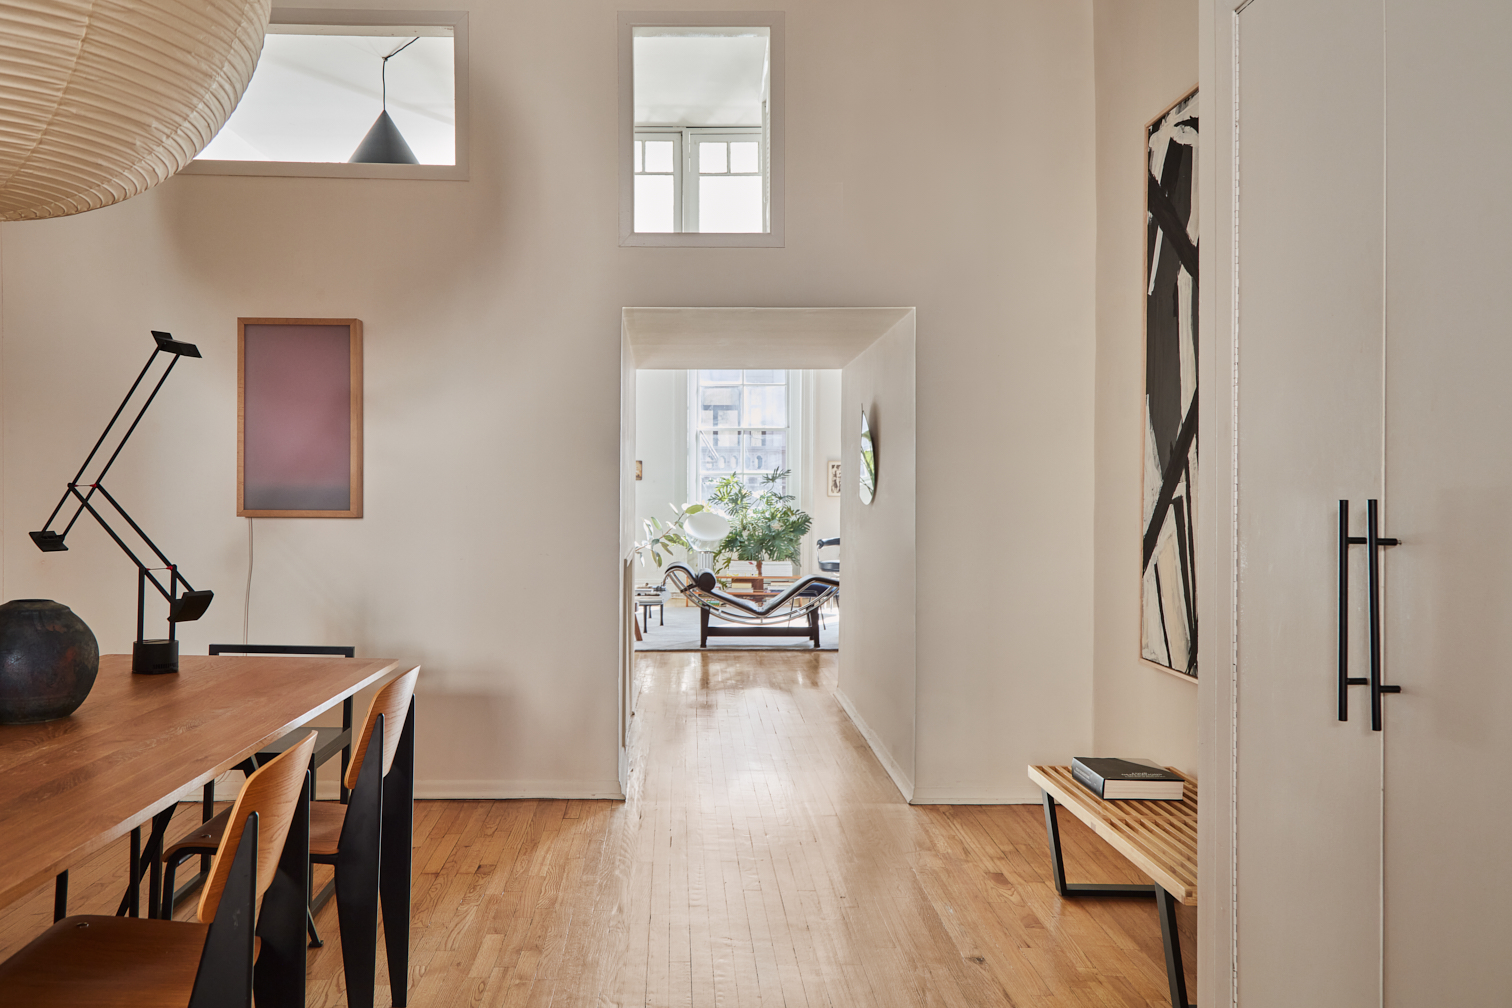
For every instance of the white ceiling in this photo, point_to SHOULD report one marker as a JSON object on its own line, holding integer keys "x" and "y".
{"x": 699, "y": 80}
{"x": 316, "y": 93}
{"x": 678, "y": 338}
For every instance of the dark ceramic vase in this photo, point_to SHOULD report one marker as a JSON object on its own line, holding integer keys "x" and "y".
{"x": 48, "y": 661}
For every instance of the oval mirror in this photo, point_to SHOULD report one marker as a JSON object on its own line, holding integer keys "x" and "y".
{"x": 868, "y": 462}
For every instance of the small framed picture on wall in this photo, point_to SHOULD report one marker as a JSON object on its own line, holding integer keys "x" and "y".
{"x": 299, "y": 418}
{"x": 832, "y": 488}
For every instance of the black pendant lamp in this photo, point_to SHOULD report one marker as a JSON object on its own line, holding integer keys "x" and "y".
{"x": 384, "y": 144}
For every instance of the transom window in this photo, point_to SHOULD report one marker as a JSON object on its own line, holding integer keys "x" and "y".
{"x": 741, "y": 425}
{"x": 701, "y": 151}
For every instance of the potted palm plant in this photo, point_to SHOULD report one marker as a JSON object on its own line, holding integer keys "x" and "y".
{"x": 764, "y": 525}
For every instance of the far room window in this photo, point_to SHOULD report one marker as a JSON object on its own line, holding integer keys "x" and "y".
{"x": 701, "y": 107}
{"x": 360, "y": 94}
{"x": 707, "y": 180}
{"x": 742, "y": 425}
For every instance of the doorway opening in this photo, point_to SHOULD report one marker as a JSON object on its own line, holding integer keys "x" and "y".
{"x": 756, "y": 447}
{"x": 761, "y": 401}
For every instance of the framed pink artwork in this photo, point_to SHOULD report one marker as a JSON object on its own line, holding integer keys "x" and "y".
{"x": 299, "y": 418}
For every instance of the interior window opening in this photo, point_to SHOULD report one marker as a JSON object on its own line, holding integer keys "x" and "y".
{"x": 702, "y": 118}
{"x": 347, "y": 93}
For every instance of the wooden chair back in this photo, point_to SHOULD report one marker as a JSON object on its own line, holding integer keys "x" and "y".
{"x": 393, "y": 702}
{"x": 273, "y": 792}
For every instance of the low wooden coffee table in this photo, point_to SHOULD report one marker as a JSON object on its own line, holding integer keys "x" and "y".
{"x": 1159, "y": 837}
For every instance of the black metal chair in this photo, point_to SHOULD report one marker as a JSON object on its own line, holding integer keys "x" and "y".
{"x": 368, "y": 842}
{"x": 828, "y": 566}
{"x": 328, "y": 743}
{"x": 211, "y": 963}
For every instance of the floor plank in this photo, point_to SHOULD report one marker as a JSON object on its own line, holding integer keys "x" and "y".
{"x": 763, "y": 858}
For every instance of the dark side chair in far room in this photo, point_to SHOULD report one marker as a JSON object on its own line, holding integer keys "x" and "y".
{"x": 132, "y": 962}
{"x": 367, "y": 840}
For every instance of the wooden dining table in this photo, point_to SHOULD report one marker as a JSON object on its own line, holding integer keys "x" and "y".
{"x": 69, "y": 787}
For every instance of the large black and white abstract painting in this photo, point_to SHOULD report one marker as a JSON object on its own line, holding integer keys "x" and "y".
{"x": 1169, "y": 601}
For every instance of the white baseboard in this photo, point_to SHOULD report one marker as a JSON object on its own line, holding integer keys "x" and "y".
{"x": 504, "y": 789}
{"x": 899, "y": 778}
{"x": 987, "y": 794}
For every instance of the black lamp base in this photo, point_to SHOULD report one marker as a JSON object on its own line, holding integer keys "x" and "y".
{"x": 154, "y": 657}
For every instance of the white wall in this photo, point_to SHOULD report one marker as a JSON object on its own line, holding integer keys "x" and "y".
{"x": 661, "y": 444}
{"x": 822, "y": 437}
{"x": 1146, "y": 59}
{"x": 878, "y": 656}
{"x": 492, "y": 310}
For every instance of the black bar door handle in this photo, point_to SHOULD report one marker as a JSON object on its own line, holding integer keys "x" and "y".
{"x": 1373, "y": 541}
{"x": 1373, "y": 544}
{"x": 1344, "y": 680}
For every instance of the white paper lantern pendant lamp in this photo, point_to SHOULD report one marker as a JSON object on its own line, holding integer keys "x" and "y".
{"x": 101, "y": 100}
{"x": 384, "y": 144}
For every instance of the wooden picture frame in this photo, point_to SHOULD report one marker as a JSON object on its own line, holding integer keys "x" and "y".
{"x": 298, "y": 418}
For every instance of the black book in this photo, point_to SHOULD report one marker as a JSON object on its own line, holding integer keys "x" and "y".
{"x": 1126, "y": 778}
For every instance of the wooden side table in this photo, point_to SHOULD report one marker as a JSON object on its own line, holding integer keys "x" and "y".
{"x": 1159, "y": 837}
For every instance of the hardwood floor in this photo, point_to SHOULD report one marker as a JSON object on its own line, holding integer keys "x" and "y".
{"x": 763, "y": 857}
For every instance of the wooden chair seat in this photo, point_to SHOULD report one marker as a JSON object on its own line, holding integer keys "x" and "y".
{"x": 326, "y": 819}
{"x": 105, "y": 962}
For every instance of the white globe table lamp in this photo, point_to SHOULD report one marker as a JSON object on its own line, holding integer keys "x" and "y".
{"x": 706, "y": 529}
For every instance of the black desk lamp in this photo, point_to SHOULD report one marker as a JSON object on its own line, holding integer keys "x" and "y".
{"x": 147, "y": 656}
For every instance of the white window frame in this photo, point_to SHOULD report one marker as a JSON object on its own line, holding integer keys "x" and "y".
{"x": 679, "y": 139}
{"x": 456, "y": 20}
{"x": 773, "y": 152}
{"x": 685, "y": 167}
{"x": 794, "y": 429}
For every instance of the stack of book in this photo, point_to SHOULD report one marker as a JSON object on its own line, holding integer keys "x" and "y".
{"x": 1115, "y": 779}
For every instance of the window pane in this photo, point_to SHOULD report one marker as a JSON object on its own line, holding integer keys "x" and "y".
{"x": 730, "y": 204}
{"x": 711, "y": 157}
{"x": 765, "y": 406}
{"x": 639, "y": 146}
{"x": 719, "y": 377}
{"x": 765, "y": 450}
{"x": 658, "y": 156}
{"x": 718, "y": 451}
{"x": 719, "y": 406}
{"x": 653, "y": 202}
{"x": 706, "y": 487}
{"x": 757, "y": 484}
{"x": 771, "y": 376}
{"x": 313, "y": 98}
{"x": 744, "y": 158}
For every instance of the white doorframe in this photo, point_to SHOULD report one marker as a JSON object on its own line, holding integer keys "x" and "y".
{"x": 1217, "y": 574}
{"x": 879, "y": 669}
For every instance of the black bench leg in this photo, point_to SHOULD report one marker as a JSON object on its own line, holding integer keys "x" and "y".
{"x": 703, "y": 627}
{"x": 1171, "y": 939}
{"x": 60, "y": 897}
{"x": 1164, "y": 905}
{"x": 1068, "y": 890}
{"x": 1052, "y": 830}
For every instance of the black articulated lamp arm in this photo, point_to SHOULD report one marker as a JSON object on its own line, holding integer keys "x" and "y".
{"x": 148, "y": 655}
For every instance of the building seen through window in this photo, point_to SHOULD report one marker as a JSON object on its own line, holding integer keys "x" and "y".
{"x": 740, "y": 426}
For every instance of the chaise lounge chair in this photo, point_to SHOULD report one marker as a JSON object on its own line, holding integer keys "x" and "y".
{"x": 773, "y": 619}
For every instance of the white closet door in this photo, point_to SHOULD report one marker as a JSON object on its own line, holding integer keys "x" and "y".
{"x": 1310, "y": 320}
{"x": 1448, "y": 595}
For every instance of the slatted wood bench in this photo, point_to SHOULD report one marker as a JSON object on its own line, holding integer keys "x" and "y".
{"x": 1159, "y": 837}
